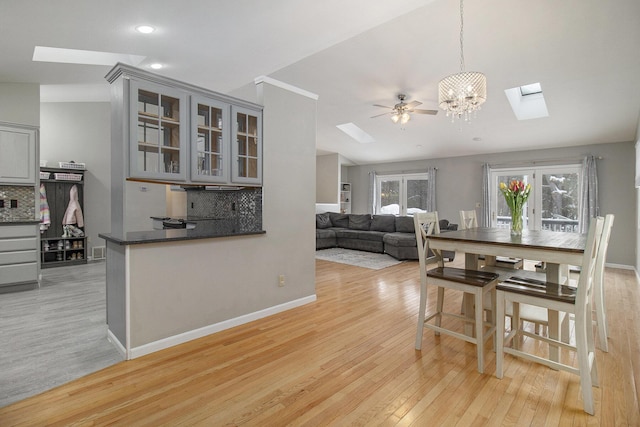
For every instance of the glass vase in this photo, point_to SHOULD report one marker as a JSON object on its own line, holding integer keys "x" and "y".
{"x": 516, "y": 221}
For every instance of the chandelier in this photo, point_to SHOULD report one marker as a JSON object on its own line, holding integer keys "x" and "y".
{"x": 462, "y": 94}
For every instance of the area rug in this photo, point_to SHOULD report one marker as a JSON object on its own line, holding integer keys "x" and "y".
{"x": 364, "y": 259}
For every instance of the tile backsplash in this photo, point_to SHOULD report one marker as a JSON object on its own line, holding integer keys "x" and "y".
{"x": 25, "y": 198}
{"x": 238, "y": 210}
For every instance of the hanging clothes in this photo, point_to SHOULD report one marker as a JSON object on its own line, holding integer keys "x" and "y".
{"x": 45, "y": 215}
{"x": 73, "y": 214}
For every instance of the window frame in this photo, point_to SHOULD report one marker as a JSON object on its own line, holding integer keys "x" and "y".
{"x": 402, "y": 178}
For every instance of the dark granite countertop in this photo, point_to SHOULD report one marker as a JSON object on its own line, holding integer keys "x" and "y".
{"x": 19, "y": 222}
{"x": 188, "y": 218}
{"x": 171, "y": 235}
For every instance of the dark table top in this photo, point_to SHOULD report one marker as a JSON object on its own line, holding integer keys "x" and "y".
{"x": 542, "y": 239}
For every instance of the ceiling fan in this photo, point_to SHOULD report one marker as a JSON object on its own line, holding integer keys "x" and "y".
{"x": 401, "y": 112}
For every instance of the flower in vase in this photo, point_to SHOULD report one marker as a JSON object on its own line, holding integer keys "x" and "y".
{"x": 515, "y": 194}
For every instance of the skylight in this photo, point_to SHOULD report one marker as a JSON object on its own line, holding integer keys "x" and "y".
{"x": 531, "y": 89}
{"x": 527, "y": 101}
{"x": 356, "y": 133}
{"x": 88, "y": 57}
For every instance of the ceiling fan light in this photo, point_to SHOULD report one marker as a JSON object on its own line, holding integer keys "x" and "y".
{"x": 395, "y": 117}
{"x": 405, "y": 117}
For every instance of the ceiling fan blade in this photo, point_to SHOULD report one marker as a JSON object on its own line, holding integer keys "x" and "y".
{"x": 413, "y": 104}
{"x": 383, "y": 114}
{"x": 383, "y": 106}
{"x": 432, "y": 112}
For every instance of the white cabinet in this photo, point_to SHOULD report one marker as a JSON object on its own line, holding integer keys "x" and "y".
{"x": 210, "y": 135}
{"x": 18, "y": 154}
{"x": 173, "y": 132}
{"x": 247, "y": 146}
{"x": 158, "y": 132}
{"x": 18, "y": 254}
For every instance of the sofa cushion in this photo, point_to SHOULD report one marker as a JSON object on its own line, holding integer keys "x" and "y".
{"x": 359, "y": 221}
{"x": 325, "y": 233}
{"x": 323, "y": 220}
{"x": 339, "y": 220}
{"x": 375, "y": 236}
{"x": 383, "y": 223}
{"x": 346, "y": 233}
{"x": 400, "y": 239}
{"x": 404, "y": 224}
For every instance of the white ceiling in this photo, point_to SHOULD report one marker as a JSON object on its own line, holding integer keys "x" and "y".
{"x": 355, "y": 53}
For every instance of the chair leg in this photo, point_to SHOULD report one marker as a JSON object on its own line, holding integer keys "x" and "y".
{"x": 582, "y": 333}
{"x": 500, "y": 316}
{"x": 479, "y": 320}
{"x": 601, "y": 318}
{"x": 439, "y": 305}
{"x": 565, "y": 328}
{"x": 493, "y": 317}
{"x": 421, "y": 315}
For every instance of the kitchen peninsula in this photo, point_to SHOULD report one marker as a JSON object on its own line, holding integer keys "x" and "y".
{"x": 161, "y": 289}
{"x": 166, "y": 287}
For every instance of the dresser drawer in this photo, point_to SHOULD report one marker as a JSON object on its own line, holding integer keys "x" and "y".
{"x": 18, "y": 273}
{"x": 8, "y": 231}
{"x": 11, "y": 245}
{"x": 18, "y": 257}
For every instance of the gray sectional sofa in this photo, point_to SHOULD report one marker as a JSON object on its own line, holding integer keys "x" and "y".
{"x": 390, "y": 234}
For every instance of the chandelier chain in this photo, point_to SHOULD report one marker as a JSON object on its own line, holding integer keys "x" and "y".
{"x": 461, "y": 36}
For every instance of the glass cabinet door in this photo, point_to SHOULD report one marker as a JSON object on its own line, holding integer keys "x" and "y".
{"x": 247, "y": 146}
{"x": 157, "y": 148}
{"x": 210, "y": 153}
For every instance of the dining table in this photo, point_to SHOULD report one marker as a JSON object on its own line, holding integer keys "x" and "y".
{"x": 558, "y": 250}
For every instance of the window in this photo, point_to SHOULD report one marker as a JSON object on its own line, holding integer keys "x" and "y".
{"x": 402, "y": 194}
{"x": 554, "y": 203}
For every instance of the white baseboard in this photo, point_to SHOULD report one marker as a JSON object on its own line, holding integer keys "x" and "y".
{"x": 217, "y": 327}
{"x": 116, "y": 343}
{"x": 620, "y": 266}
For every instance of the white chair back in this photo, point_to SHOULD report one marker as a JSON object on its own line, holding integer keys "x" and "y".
{"x": 468, "y": 219}
{"x": 425, "y": 224}
{"x": 588, "y": 271}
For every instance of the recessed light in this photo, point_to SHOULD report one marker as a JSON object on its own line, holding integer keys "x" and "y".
{"x": 156, "y": 66}
{"x": 145, "y": 29}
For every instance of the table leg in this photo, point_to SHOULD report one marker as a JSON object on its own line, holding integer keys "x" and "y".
{"x": 556, "y": 273}
{"x": 470, "y": 263}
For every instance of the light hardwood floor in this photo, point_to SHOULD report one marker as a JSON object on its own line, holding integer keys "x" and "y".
{"x": 348, "y": 359}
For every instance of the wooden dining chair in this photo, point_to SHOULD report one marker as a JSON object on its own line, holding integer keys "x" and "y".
{"x": 561, "y": 298}
{"x": 473, "y": 282}
{"x": 598, "y": 292}
{"x": 539, "y": 317}
{"x": 469, "y": 219}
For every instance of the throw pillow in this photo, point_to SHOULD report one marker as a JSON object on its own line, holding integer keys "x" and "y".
{"x": 339, "y": 220}
{"x": 323, "y": 220}
{"x": 359, "y": 221}
{"x": 385, "y": 223}
{"x": 404, "y": 224}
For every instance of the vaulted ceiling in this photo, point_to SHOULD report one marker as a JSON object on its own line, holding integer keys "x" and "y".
{"x": 356, "y": 53}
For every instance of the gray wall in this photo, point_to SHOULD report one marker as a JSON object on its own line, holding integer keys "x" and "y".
{"x": 20, "y": 103}
{"x": 80, "y": 131}
{"x": 459, "y": 181}
{"x": 327, "y": 178}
